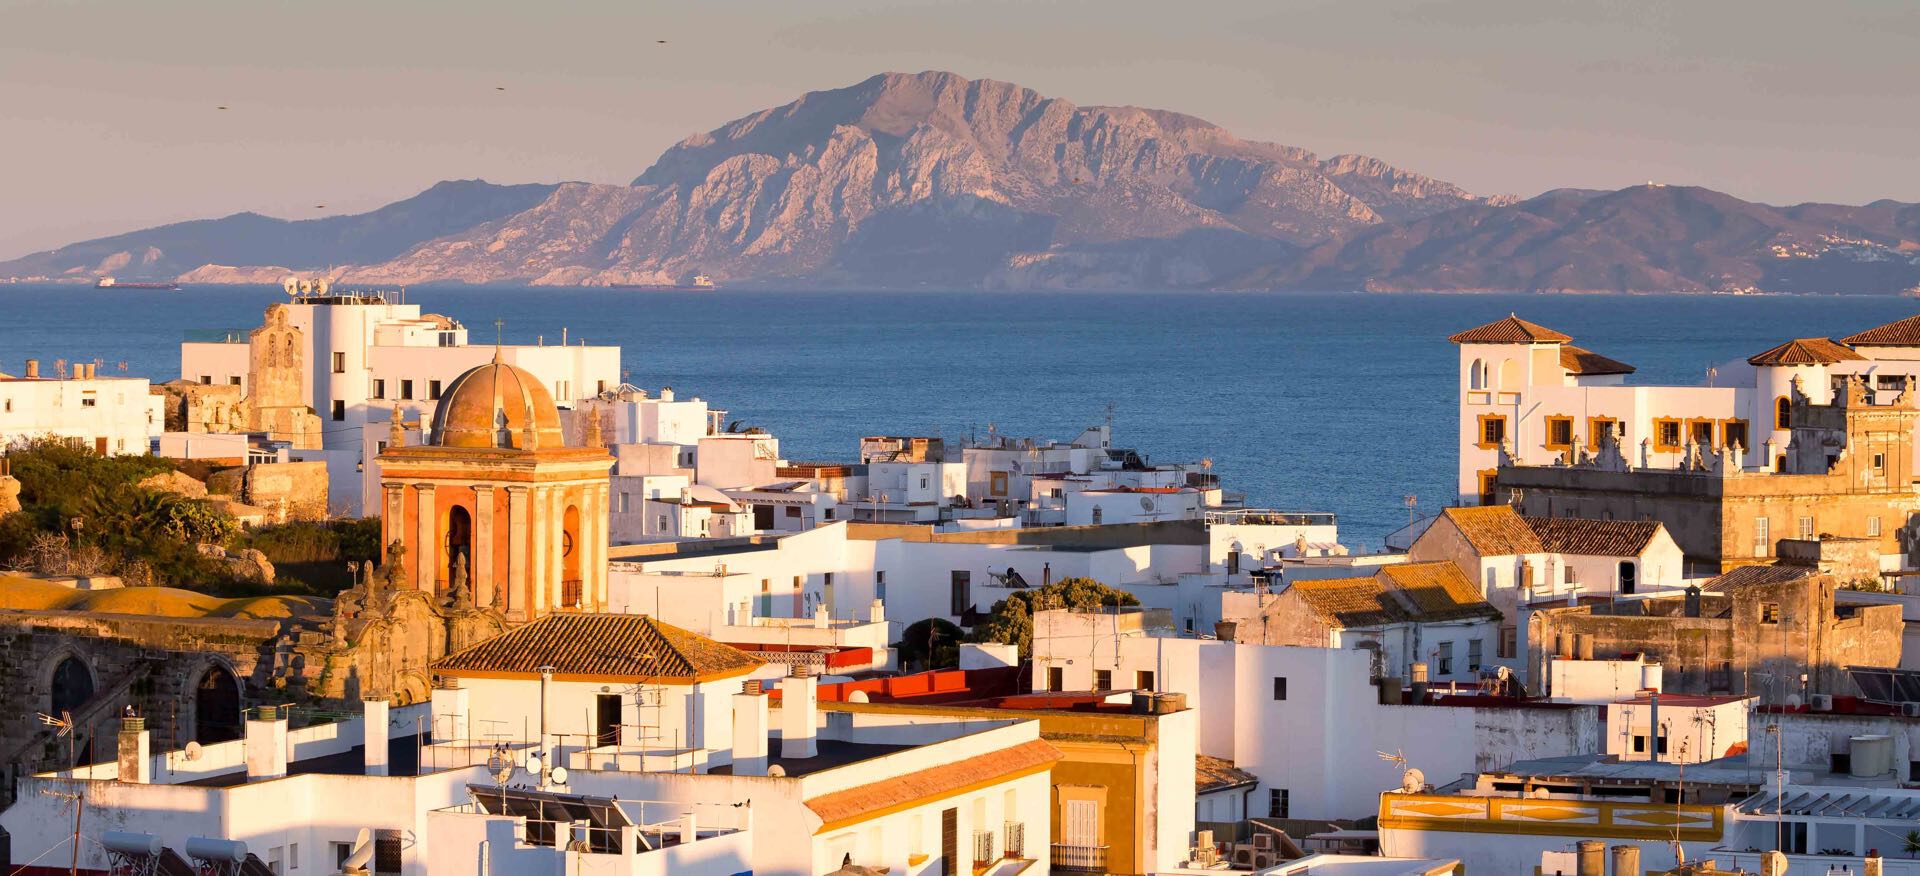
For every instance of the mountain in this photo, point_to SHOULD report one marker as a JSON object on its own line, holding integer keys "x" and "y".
{"x": 1648, "y": 238}
{"x": 931, "y": 179}
{"x": 251, "y": 239}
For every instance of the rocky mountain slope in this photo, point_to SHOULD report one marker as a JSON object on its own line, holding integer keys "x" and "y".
{"x": 933, "y": 180}
{"x": 273, "y": 245}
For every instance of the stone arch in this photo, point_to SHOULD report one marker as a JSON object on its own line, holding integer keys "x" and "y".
{"x": 217, "y": 714}
{"x": 411, "y": 687}
{"x": 1509, "y": 376}
{"x": 70, "y": 683}
{"x": 1477, "y": 375}
{"x": 456, "y": 539}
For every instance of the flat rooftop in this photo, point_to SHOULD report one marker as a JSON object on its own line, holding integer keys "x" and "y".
{"x": 403, "y": 759}
{"x": 833, "y": 753}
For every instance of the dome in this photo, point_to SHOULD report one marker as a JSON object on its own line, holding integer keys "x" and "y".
{"x": 495, "y": 405}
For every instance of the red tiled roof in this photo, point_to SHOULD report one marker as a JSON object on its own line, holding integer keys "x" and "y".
{"x": 1495, "y": 530}
{"x": 1903, "y": 333}
{"x": 1588, "y": 363}
{"x": 1438, "y": 590}
{"x": 1346, "y": 603}
{"x": 1218, "y": 774}
{"x": 1744, "y": 576}
{"x": 839, "y": 808}
{"x": 1593, "y": 538}
{"x": 1805, "y": 351}
{"x": 1512, "y": 330}
{"x": 624, "y": 647}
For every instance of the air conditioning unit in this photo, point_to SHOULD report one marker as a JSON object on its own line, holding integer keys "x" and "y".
{"x": 1262, "y": 862}
{"x": 1910, "y": 709}
{"x": 1263, "y": 841}
{"x": 1821, "y": 702}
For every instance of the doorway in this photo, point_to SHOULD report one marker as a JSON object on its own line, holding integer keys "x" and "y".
{"x": 606, "y": 719}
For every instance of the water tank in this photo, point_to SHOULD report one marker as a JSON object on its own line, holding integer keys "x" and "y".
{"x": 1390, "y": 691}
{"x": 1419, "y": 673}
{"x": 216, "y": 850}
{"x": 1870, "y": 755}
{"x": 130, "y": 843}
{"x": 1650, "y": 675}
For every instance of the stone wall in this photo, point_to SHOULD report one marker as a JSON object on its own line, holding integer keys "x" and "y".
{"x": 216, "y": 408}
{"x": 292, "y": 490}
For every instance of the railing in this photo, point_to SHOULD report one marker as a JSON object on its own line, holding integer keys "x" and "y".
{"x": 1016, "y": 839}
{"x": 570, "y": 593}
{"x": 983, "y": 848}
{"x": 1091, "y": 859}
{"x": 217, "y": 335}
{"x": 1271, "y": 517}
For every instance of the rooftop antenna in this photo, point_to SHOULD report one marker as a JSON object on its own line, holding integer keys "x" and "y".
{"x": 1411, "y": 500}
{"x": 497, "y": 323}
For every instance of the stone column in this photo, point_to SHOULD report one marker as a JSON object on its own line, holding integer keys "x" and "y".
{"x": 394, "y": 517}
{"x": 426, "y": 550}
{"x": 516, "y": 583}
{"x": 481, "y": 566}
{"x": 601, "y": 529}
{"x": 539, "y": 546}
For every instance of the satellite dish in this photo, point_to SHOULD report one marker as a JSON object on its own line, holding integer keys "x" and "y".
{"x": 1146, "y": 503}
{"x": 501, "y": 775}
{"x": 193, "y": 751}
{"x": 558, "y": 776}
{"x": 1412, "y": 781}
{"x": 322, "y": 286}
{"x": 776, "y": 771}
{"x": 362, "y": 853}
{"x": 533, "y": 763}
{"x": 291, "y": 285}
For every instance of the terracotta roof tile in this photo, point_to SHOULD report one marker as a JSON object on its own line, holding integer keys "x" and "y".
{"x": 1512, "y": 330}
{"x": 1218, "y": 774}
{"x": 1903, "y": 333}
{"x": 1805, "y": 351}
{"x": 1346, "y": 603}
{"x": 853, "y": 804}
{"x": 1745, "y": 576}
{"x": 1495, "y": 530}
{"x": 627, "y": 647}
{"x": 1594, "y": 538}
{"x": 1586, "y": 362}
{"x": 1438, "y": 591}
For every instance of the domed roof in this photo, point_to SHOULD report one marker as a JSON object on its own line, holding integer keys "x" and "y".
{"x": 497, "y": 405}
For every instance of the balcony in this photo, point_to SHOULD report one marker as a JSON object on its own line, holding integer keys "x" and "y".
{"x": 983, "y": 855}
{"x": 1080, "y": 859}
{"x": 1016, "y": 839}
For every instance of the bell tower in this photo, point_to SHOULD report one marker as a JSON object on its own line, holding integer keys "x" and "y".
{"x": 493, "y": 508}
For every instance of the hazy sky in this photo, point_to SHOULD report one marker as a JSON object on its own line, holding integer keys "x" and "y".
{"x": 108, "y": 118}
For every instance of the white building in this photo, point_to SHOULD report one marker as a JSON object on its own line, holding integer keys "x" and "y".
{"x": 368, "y": 355}
{"x": 1309, "y": 722}
{"x": 111, "y": 416}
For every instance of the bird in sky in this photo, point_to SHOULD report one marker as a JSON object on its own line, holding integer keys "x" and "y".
{"x": 499, "y": 88}
{"x": 319, "y": 206}
{"x": 661, "y": 42}
{"x": 220, "y": 107}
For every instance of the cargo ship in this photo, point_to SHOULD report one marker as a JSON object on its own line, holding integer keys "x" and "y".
{"x": 700, "y": 283}
{"x": 111, "y": 283}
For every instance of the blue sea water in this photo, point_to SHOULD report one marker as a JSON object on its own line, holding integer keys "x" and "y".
{"x": 1329, "y": 402}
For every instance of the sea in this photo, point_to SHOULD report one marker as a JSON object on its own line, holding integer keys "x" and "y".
{"x": 1341, "y": 402}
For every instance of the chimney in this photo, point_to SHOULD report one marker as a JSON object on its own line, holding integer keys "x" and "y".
{"x": 1693, "y": 600}
{"x": 266, "y": 744}
{"x": 33, "y": 368}
{"x": 1226, "y": 631}
{"x": 90, "y": 368}
{"x": 820, "y": 618}
{"x": 750, "y": 731}
{"x": 1773, "y": 863}
{"x": 135, "y": 750}
{"x": 1651, "y": 676}
{"x": 1872, "y": 865}
{"x": 373, "y": 735}
{"x": 449, "y": 712}
{"x": 877, "y": 612}
{"x": 1626, "y": 860}
{"x": 1592, "y": 858}
{"x": 799, "y": 707}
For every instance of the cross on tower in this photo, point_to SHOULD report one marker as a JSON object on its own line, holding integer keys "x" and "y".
{"x": 497, "y": 323}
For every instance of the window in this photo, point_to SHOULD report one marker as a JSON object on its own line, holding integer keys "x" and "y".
{"x": 1056, "y": 678}
{"x": 1477, "y": 375}
{"x": 1666, "y": 435}
{"x": 623, "y": 503}
{"x": 88, "y": 399}
{"x": 433, "y": 389}
{"x": 1559, "y": 433}
{"x": 1103, "y": 679}
{"x": 960, "y": 595}
{"x": 1509, "y": 642}
{"x": 233, "y": 381}
{"x": 1769, "y": 612}
{"x": 406, "y": 389}
{"x": 793, "y": 512}
{"x": 293, "y": 856}
{"x": 1733, "y": 433}
{"x": 1700, "y": 432}
{"x": 1629, "y": 574}
{"x": 1143, "y": 680}
{"x": 923, "y": 482}
{"x": 997, "y": 483}
{"x": 206, "y": 379}
{"x": 1096, "y": 515}
{"x": 1445, "y": 652}
{"x": 1880, "y": 464}
{"x": 339, "y": 362}
{"x": 1840, "y": 762}
{"x": 1873, "y": 527}
{"x": 1473, "y": 655}
{"x": 1279, "y": 688}
{"x": 1782, "y": 413}
{"x": 1277, "y": 803}
{"x": 1762, "y": 540}
{"x": 663, "y": 524}
{"x": 599, "y": 386}
{"x": 1493, "y": 431}
{"x": 386, "y": 851}
{"x": 1598, "y": 425}
{"x": 826, "y": 514}
{"x": 1639, "y": 744}
{"x": 339, "y": 410}
{"x": 1488, "y": 479}
{"x": 379, "y": 388}
{"x": 340, "y": 853}
{"x": 880, "y": 586}
{"x": 1806, "y": 528}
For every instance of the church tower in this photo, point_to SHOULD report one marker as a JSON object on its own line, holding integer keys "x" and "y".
{"x": 493, "y": 507}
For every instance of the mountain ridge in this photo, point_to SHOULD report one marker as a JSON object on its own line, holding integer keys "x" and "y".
{"x": 933, "y": 179}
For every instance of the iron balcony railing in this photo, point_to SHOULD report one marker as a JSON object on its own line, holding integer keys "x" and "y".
{"x": 1016, "y": 842}
{"x": 983, "y": 848}
{"x": 1088, "y": 859}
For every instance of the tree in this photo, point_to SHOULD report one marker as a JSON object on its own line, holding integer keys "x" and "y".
{"x": 933, "y": 643}
{"x": 1011, "y": 622}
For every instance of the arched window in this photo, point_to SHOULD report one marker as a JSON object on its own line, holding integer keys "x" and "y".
{"x": 1782, "y": 413}
{"x": 1627, "y": 577}
{"x": 570, "y": 550}
{"x": 1509, "y": 376}
{"x": 216, "y": 707}
{"x": 72, "y": 686}
{"x": 1477, "y": 374}
{"x": 458, "y": 542}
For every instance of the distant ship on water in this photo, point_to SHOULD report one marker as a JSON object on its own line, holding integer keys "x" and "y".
{"x": 700, "y": 283}
{"x": 111, "y": 283}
